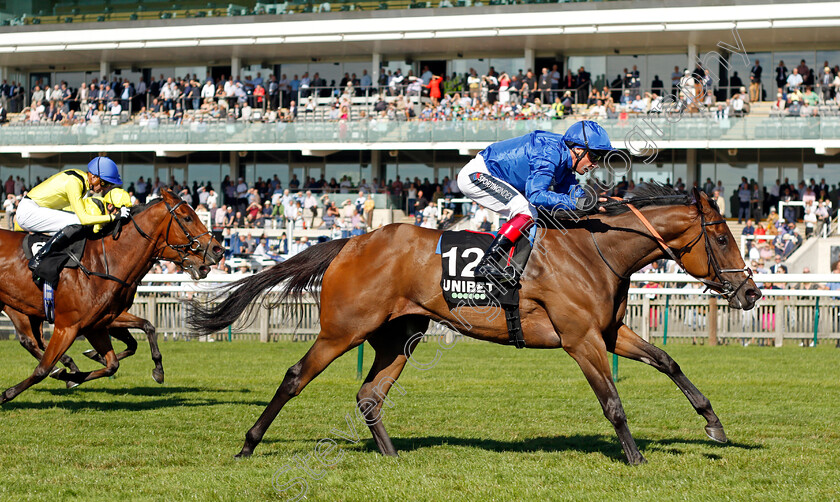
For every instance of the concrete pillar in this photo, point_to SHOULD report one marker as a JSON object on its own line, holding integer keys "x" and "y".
{"x": 376, "y": 64}
{"x": 234, "y": 166}
{"x": 235, "y": 66}
{"x": 104, "y": 70}
{"x": 529, "y": 61}
{"x": 376, "y": 170}
{"x": 691, "y": 168}
{"x": 691, "y": 63}
{"x": 4, "y": 73}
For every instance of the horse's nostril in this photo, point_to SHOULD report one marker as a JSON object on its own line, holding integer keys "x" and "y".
{"x": 753, "y": 294}
{"x": 217, "y": 250}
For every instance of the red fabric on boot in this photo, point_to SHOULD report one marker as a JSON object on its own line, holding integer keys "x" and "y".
{"x": 516, "y": 226}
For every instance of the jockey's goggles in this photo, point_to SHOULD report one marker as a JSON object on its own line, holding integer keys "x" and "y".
{"x": 596, "y": 156}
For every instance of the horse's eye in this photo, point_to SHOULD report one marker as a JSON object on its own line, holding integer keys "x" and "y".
{"x": 188, "y": 219}
{"x": 721, "y": 239}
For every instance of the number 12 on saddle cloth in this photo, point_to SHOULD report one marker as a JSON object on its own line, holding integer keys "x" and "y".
{"x": 460, "y": 252}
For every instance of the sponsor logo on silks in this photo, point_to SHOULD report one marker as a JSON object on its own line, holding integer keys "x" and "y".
{"x": 488, "y": 183}
{"x": 468, "y": 290}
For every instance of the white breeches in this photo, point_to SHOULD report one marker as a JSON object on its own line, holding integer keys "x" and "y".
{"x": 34, "y": 218}
{"x": 476, "y": 182}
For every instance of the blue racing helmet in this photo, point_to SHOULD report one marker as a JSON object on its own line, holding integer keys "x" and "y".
{"x": 106, "y": 169}
{"x": 590, "y": 136}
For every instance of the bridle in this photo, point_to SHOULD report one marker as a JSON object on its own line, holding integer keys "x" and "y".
{"x": 722, "y": 286}
{"x": 193, "y": 244}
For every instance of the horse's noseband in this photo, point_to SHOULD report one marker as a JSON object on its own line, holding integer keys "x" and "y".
{"x": 723, "y": 286}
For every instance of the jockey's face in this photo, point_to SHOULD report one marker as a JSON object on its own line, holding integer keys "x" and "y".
{"x": 97, "y": 184}
{"x": 585, "y": 165}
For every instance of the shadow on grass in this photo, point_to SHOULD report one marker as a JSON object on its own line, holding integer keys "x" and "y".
{"x": 80, "y": 399}
{"x": 608, "y": 446}
{"x": 136, "y": 391}
{"x": 588, "y": 443}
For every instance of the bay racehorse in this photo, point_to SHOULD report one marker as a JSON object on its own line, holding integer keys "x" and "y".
{"x": 573, "y": 296}
{"x": 90, "y": 298}
{"x": 31, "y": 336}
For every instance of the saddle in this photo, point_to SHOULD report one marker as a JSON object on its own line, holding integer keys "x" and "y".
{"x": 56, "y": 261}
{"x": 460, "y": 253}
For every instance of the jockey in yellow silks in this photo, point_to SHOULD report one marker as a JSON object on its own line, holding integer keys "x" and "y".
{"x": 56, "y": 205}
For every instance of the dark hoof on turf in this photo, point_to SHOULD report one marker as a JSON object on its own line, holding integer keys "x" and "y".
{"x": 157, "y": 375}
{"x": 716, "y": 434}
{"x": 72, "y": 385}
{"x": 639, "y": 461}
{"x": 242, "y": 455}
{"x": 57, "y": 373}
{"x": 90, "y": 353}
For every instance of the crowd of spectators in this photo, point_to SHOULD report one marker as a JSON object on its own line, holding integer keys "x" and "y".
{"x": 396, "y": 96}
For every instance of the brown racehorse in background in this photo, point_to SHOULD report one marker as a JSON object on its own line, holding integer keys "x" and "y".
{"x": 571, "y": 298}
{"x": 165, "y": 228}
{"x": 31, "y": 337}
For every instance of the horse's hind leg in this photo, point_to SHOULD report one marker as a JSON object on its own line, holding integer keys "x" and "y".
{"x": 630, "y": 345}
{"x": 391, "y": 355}
{"x": 324, "y": 351}
{"x": 591, "y": 356}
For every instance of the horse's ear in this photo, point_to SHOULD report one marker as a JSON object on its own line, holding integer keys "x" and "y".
{"x": 698, "y": 198}
{"x": 695, "y": 193}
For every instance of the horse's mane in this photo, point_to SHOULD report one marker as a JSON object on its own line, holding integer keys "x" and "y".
{"x": 644, "y": 195}
{"x": 113, "y": 228}
{"x": 139, "y": 208}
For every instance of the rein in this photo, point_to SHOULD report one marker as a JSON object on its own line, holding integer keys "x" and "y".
{"x": 724, "y": 287}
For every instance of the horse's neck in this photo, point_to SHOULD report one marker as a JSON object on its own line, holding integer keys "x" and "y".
{"x": 129, "y": 257}
{"x": 631, "y": 246}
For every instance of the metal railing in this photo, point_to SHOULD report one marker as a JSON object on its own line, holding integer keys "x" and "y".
{"x": 661, "y": 313}
{"x": 201, "y": 131}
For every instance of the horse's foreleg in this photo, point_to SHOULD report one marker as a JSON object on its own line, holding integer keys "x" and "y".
{"x": 121, "y": 334}
{"x": 320, "y": 355}
{"x": 26, "y": 334}
{"x": 125, "y": 336}
{"x": 157, "y": 358}
{"x": 61, "y": 340}
{"x": 630, "y": 345}
{"x": 391, "y": 356}
{"x": 591, "y": 356}
{"x": 101, "y": 342}
{"x": 129, "y": 320}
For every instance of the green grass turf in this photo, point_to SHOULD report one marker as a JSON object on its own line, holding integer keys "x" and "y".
{"x": 486, "y": 423}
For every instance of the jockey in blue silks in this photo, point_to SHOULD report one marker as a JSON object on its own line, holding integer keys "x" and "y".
{"x": 513, "y": 176}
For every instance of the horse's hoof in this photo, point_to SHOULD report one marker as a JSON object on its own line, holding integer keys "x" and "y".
{"x": 157, "y": 375}
{"x": 90, "y": 354}
{"x": 57, "y": 373}
{"x": 716, "y": 434}
{"x": 242, "y": 455}
{"x": 72, "y": 385}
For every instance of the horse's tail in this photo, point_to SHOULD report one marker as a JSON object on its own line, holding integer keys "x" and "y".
{"x": 302, "y": 272}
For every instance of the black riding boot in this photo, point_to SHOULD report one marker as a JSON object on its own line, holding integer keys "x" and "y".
{"x": 494, "y": 263}
{"x": 58, "y": 241}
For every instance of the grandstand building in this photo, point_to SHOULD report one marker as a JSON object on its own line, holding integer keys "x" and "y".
{"x": 622, "y": 45}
